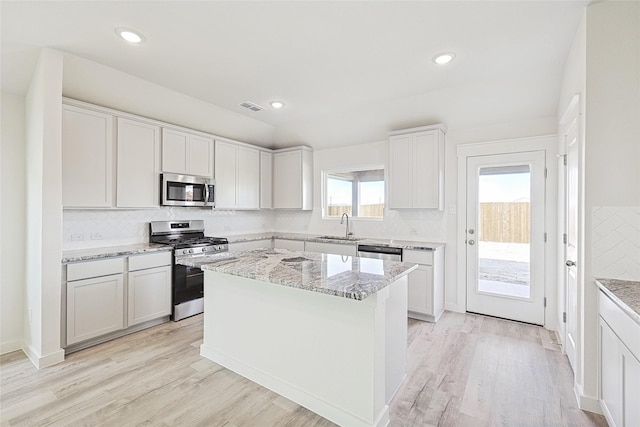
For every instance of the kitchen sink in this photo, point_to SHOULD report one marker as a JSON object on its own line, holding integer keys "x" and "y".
{"x": 350, "y": 239}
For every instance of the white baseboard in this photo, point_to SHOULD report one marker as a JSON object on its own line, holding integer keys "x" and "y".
{"x": 455, "y": 307}
{"x": 43, "y": 361}
{"x": 587, "y": 403}
{"x": 11, "y": 346}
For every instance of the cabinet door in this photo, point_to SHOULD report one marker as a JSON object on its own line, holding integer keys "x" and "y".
{"x": 401, "y": 162}
{"x": 138, "y": 183}
{"x": 425, "y": 171}
{"x": 287, "y": 180}
{"x": 87, "y": 158}
{"x": 248, "y": 187}
{"x": 630, "y": 387}
{"x": 174, "y": 151}
{"x": 200, "y": 156}
{"x": 226, "y": 177}
{"x": 266, "y": 180}
{"x": 94, "y": 307}
{"x": 420, "y": 299}
{"x": 610, "y": 384}
{"x": 149, "y": 294}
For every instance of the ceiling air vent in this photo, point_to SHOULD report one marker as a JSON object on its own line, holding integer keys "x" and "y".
{"x": 252, "y": 106}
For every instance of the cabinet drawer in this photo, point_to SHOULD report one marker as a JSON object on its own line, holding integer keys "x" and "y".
{"x": 419, "y": 257}
{"x": 141, "y": 262}
{"x": 103, "y": 267}
{"x": 624, "y": 327}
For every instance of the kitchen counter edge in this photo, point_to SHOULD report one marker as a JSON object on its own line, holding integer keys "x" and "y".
{"x": 624, "y": 293}
{"x": 404, "y": 244}
{"x": 78, "y": 255}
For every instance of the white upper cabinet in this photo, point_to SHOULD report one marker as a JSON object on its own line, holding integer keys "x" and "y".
{"x": 186, "y": 153}
{"x": 416, "y": 168}
{"x": 237, "y": 175}
{"x": 138, "y": 165}
{"x": 87, "y": 158}
{"x": 293, "y": 178}
{"x": 266, "y": 180}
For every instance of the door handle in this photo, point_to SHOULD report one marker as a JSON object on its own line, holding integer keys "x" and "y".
{"x": 472, "y": 242}
{"x": 570, "y": 263}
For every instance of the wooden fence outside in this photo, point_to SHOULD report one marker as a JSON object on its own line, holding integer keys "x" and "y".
{"x": 365, "y": 210}
{"x": 505, "y": 222}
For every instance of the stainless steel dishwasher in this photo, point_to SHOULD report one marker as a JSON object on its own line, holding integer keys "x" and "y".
{"x": 380, "y": 252}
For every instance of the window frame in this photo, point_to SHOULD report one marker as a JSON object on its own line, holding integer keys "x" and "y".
{"x": 355, "y": 195}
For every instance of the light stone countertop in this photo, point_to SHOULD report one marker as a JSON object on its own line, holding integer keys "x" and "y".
{"x": 404, "y": 244}
{"x": 111, "y": 251}
{"x": 625, "y": 293}
{"x": 338, "y": 275}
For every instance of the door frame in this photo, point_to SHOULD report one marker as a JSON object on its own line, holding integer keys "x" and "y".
{"x": 546, "y": 143}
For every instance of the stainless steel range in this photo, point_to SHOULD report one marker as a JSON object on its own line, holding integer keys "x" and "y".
{"x": 188, "y": 240}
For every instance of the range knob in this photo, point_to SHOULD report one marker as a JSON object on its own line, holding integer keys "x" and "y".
{"x": 190, "y": 251}
{"x": 204, "y": 249}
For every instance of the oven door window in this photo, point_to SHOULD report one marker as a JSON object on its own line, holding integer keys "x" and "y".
{"x": 183, "y": 192}
{"x": 188, "y": 284}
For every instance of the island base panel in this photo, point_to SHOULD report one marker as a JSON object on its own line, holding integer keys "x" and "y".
{"x": 332, "y": 355}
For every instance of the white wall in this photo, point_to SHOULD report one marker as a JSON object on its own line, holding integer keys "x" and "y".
{"x": 101, "y": 85}
{"x": 12, "y": 226}
{"x": 126, "y": 227}
{"x": 430, "y": 225}
{"x": 604, "y": 68}
{"x": 612, "y": 141}
{"x": 43, "y": 211}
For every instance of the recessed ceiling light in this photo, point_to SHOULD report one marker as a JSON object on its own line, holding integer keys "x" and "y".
{"x": 443, "y": 58}
{"x": 130, "y": 35}
{"x": 277, "y": 104}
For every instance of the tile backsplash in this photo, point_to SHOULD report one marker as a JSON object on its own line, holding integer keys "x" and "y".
{"x": 616, "y": 242}
{"x": 95, "y": 228}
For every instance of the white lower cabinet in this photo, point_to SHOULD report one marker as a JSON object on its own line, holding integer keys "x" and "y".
{"x": 94, "y": 304}
{"x": 330, "y": 248}
{"x": 291, "y": 245}
{"x": 104, "y": 298}
{"x": 619, "y": 348}
{"x": 426, "y": 284}
{"x": 149, "y": 289}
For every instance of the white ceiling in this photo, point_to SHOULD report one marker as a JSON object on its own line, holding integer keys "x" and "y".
{"x": 348, "y": 71}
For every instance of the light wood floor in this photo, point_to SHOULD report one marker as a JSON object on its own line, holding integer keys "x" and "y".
{"x": 466, "y": 370}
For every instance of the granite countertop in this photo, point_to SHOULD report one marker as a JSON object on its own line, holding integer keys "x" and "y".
{"x": 404, "y": 244}
{"x": 625, "y": 293}
{"x": 111, "y": 251}
{"x": 338, "y": 275}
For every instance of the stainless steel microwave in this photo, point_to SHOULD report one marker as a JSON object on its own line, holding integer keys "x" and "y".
{"x": 186, "y": 190}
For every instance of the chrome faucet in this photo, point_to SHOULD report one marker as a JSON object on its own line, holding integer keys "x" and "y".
{"x": 347, "y": 232}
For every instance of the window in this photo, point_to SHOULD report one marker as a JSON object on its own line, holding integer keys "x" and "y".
{"x": 358, "y": 193}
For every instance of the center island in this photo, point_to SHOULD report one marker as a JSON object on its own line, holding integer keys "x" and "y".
{"x": 328, "y": 332}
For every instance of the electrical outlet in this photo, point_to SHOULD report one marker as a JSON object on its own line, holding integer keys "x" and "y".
{"x": 77, "y": 237}
{"x": 452, "y": 209}
{"x": 96, "y": 236}
{"x": 413, "y": 231}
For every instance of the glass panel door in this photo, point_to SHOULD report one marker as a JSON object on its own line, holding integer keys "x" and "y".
{"x": 504, "y": 230}
{"x": 505, "y": 235}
